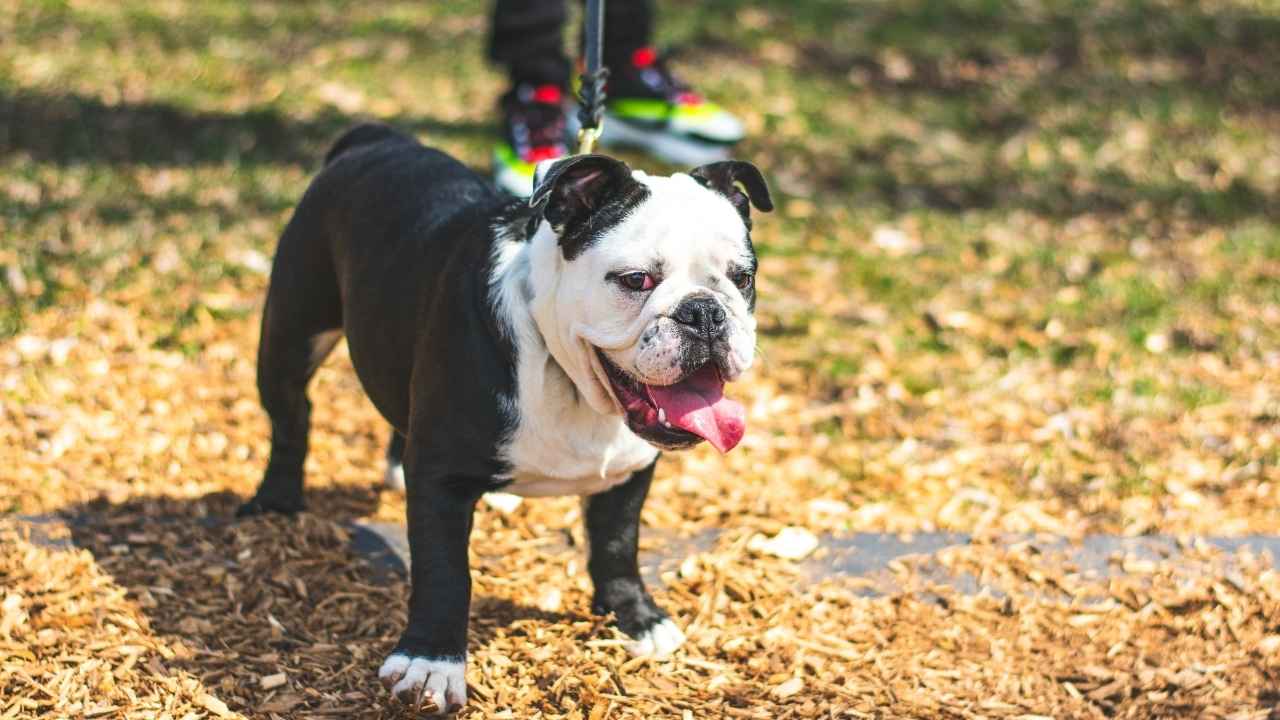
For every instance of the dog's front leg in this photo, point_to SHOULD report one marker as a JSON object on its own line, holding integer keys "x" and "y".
{"x": 613, "y": 538}
{"x": 428, "y": 665}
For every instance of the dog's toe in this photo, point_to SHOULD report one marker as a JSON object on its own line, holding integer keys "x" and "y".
{"x": 658, "y": 641}
{"x": 437, "y": 684}
{"x": 393, "y": 669}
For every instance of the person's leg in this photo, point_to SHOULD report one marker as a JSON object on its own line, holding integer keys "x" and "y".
{"x": 648, "y": 106}
{"x": 628, "y": 27}
{"x": 527, "y": 38}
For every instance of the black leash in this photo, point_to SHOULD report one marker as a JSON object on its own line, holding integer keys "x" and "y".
{"x": 591, "y": 91}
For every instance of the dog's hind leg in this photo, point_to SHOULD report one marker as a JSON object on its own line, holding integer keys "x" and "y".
{"x": 301, "y": 324}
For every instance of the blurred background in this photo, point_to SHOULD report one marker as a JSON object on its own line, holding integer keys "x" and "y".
{"x": 1024, "y": 275}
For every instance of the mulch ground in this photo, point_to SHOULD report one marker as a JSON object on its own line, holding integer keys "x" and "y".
{"x": 276, "y": 618}
{"x": 158, "y": 605}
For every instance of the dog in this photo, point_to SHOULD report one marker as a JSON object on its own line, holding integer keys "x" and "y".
{"x": 545, "y": 347}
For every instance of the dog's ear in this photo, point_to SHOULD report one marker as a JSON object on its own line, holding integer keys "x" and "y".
{"x": 731, "y": 178}
{"x": 569, "y": 191}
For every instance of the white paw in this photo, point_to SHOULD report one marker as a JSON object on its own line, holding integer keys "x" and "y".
{"x": 658, "y": 641}
{"x": 422, "y": 682}
{"x": 394, "y": 478}
{"x": 505, "y": 503}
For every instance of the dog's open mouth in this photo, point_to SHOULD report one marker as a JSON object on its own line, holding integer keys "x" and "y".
{"x": 680, "y": 414}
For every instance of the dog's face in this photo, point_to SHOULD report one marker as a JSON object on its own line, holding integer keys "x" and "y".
{"x": 655, "y": 290}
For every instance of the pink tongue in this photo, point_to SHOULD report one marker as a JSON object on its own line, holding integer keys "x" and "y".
{"x": 697, "y": 404}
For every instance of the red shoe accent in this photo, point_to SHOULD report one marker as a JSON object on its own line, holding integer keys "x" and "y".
{"x": 644, "y": 57}
{"x": 549, "y": 94}
{"x": 539, "y": 154}
{"x": 690, "y": 98}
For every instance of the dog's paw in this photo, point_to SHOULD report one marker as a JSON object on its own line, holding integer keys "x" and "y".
{"x": 394, "y": 477}
{"x": 423, "y": 682}
{"x": 262, "y": 506}
{"x": 659, "y": 641}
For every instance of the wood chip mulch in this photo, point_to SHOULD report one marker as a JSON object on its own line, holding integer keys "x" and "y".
{"x": 156, "y": 606}
{"x": 142, "y": 613}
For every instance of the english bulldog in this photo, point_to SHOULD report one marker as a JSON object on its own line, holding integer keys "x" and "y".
{"x": 552, "y": 346}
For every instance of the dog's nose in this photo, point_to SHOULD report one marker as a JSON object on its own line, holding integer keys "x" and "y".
{"x": 703, "y": 315}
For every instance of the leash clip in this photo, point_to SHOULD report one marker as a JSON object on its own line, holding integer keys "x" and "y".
{"x": 591, "y": 91}
{"x": 587, "y": 138}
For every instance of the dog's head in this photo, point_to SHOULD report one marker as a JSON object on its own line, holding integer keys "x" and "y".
{"x": 649, "y": 304}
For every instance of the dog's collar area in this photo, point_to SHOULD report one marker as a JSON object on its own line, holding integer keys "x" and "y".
{"x": 532, "y": 224}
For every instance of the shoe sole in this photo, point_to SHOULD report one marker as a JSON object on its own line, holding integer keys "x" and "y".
{"x": 670, "y": 147}
{"x": 508, "y": 179}
{"x": 674, "y": 148}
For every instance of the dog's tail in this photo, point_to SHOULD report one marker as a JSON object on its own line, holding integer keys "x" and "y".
{"x": 362, "y": 134}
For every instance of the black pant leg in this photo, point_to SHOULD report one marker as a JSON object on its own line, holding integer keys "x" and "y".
{"x": 628, "y": 26}
{"x": 527, "y": 36}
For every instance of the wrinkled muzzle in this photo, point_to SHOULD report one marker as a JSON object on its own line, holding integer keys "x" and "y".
{"x": 669, "y": 380}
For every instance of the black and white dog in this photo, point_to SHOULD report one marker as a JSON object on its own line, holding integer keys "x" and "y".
{"x": 548, "y": 347}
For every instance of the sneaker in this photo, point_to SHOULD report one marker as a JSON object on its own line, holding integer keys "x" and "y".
{"x": 649, "y": 108}
{"x": 534, "y": 126}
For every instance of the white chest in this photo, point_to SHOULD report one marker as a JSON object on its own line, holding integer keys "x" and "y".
{"x": 560, "y": 446}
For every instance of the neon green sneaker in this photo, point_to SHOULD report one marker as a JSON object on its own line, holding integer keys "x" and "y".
{"x": 534, "y": 130}
{"x": 647, "y": 107}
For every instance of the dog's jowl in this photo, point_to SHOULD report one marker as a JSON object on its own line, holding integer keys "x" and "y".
{"x": 547, "y": 347}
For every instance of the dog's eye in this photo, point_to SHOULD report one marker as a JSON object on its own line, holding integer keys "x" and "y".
{"x": 637, "y": 281}
{"x": 744, "y": 280}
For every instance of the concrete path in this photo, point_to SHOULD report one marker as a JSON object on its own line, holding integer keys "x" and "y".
{"x": 865, "y": 556}
{"x": 862, "y": 555}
